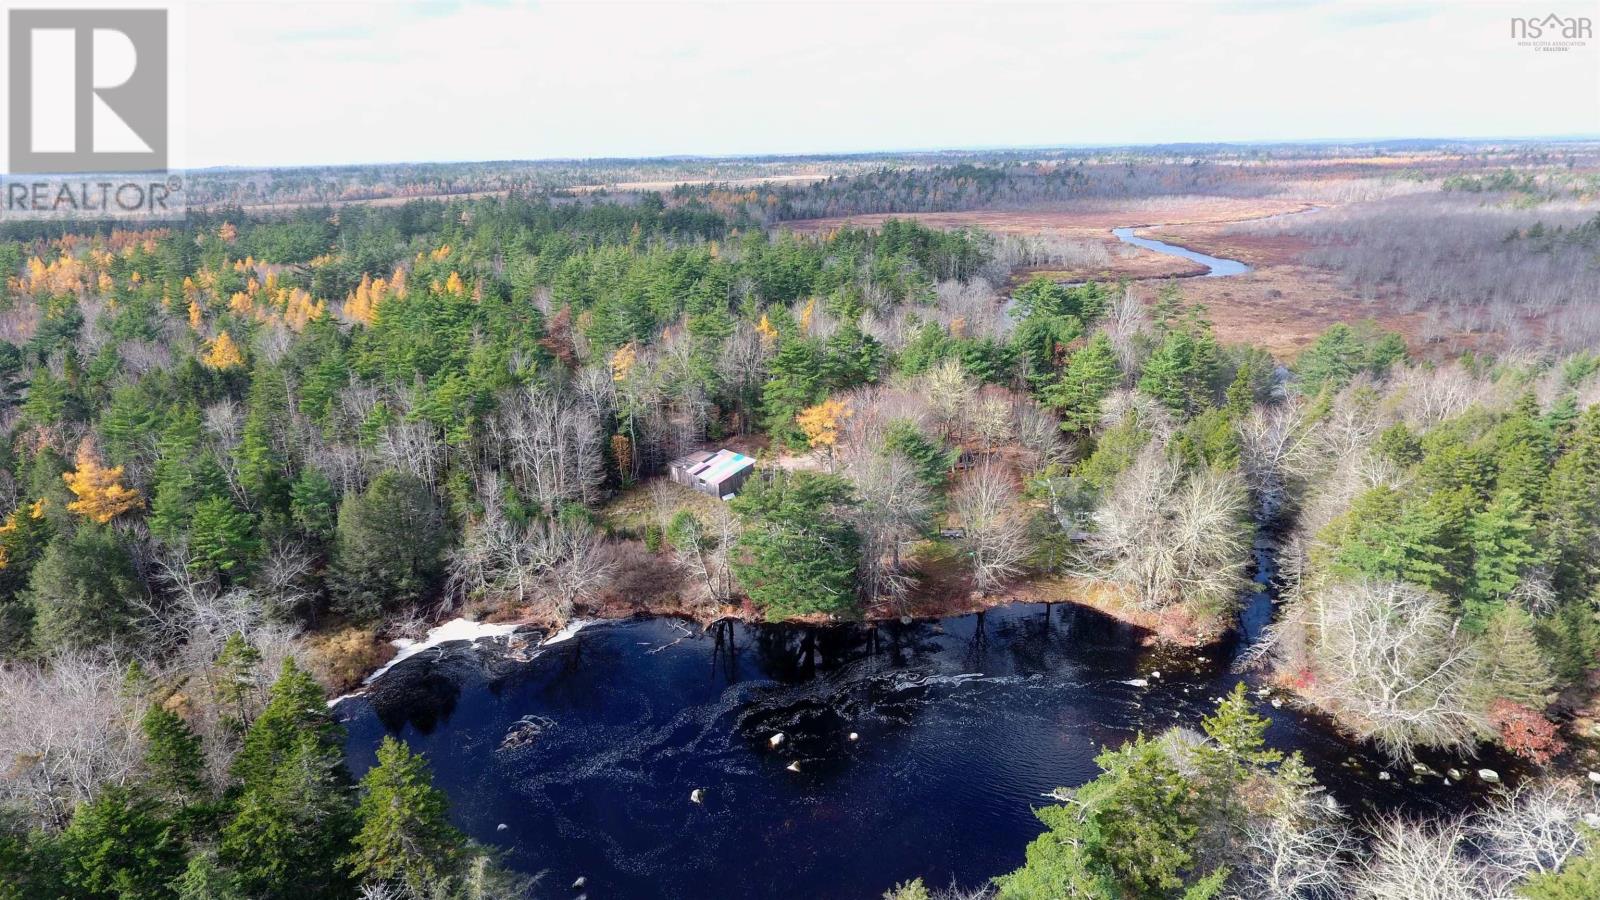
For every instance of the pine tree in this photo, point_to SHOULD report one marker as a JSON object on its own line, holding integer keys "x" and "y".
{"x": 205, "y": 879}
{"x": 1572, "y": 508}
{"x": 1501, "y": 537}
{"x": 172, "y": 755}
{"x": 81, "y": 591}
{"x": 221, "y": 539}
{"x": 263, "y": 457}
{"x": 405, "y": 834}
{"x": 795, "y": 382}
{"x": 797, "y": 553}
{"x": 314, "y": 504}
{"x": 237, "y": 685}
{"x": 1513, "y": 665}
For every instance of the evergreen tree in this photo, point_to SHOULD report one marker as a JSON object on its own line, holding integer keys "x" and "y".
{"x": 293, "y": 825}
{"x": 180, "y": 480}
{"x": 263, "y": 457}
{"x": 390, "y": 547}
{"x": 222, "y": 539}
{"x": 798, "y": 554}
{"x": 296, "y": 710}
{"x": 1513, "y": 665}
{"x": 118, "y": 847}
{"x": 172, "y": 755}
{"x": 81, "y": 590}
{"x": 405, "y": 833}
{"x": 1501, "y": 537}
{"x": 1572, "y": 506}
{"x": 205, "y": 879}
{"x": 236, "y": 678}
{"x": 1090, "y": 375}
{"x": 314, "y": 504}
{"x": 795, "y": 381}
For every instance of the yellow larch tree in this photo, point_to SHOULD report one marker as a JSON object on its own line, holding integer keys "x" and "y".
{"x": 100, "y": 492}
{"x": 807, "y": 313}
{"x": 623, "y": 361}
{"x": 224, "y": 354}
{"x": 821, "y": 423}
{"x": 769, "y": 335}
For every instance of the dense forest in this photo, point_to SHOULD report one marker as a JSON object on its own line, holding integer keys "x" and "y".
{"x": 246, "y": 451}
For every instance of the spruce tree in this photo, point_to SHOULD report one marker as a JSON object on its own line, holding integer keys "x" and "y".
{"x": 405, "y": 833}
{"x": 293, "y": 824}
{"x": 296, "y": 710}
{"x": 172, "y": 755}
{"x": 1513, "y": 665}
{"x": 118, "y": 847}
{"x": 222, "y": 540}
{"x": 81, "y": 591}
{"x": 236, "y": 678}
{"x": 390, "y": 547}
{"x": 1090, "y": 375}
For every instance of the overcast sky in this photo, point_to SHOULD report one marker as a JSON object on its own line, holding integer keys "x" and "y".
{"x": 324, "y": 82}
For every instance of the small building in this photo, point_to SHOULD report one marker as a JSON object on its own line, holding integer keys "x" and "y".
{"x": 719, "y": 474}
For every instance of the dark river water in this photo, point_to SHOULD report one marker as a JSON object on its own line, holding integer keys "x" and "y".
{"x": 963, "y": 724}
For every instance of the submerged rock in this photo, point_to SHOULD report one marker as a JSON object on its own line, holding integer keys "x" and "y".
{"x": 1456, "y": 774}
{"x": 1137, "y": 682}
{"x": 501, "y": 827}
{"x": 697, "y": 796}
{"x": 1489, "y": 775}
{"x": 857, "y": 737}
{"x": 582, "y": 880}
{"x": 1384, "y": 776}
{"x": 525, "y": 731}
{"x": 794, "y": 766}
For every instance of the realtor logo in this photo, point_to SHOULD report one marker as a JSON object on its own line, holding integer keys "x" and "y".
{"x": 88, "y": 90}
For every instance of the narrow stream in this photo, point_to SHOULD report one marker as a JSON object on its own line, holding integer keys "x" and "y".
{"x": 1218, "y": 266}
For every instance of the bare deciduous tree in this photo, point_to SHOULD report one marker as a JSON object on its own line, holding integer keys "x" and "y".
{"x": 1389, "y": 656}
{"x": 996, "y": 540}
{"x": 1166, "y": 536}
{"x": 66, "y": 733}
{"x": 894, "y": 510}
{"x": 552, "y": 445}
{"x": 1418, "y": 862}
